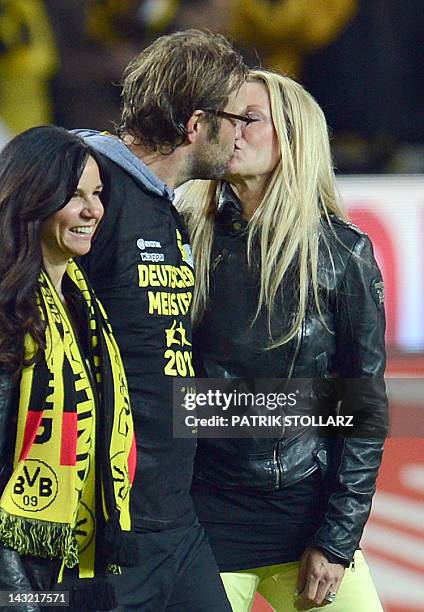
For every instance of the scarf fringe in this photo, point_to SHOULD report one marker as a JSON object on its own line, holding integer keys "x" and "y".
{"x": 39, "y": 538}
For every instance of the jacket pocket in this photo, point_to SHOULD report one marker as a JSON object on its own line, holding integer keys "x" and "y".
{"x": 302, "y": 456}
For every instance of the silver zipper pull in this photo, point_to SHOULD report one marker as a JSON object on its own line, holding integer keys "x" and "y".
{"x": 216, "y": 262}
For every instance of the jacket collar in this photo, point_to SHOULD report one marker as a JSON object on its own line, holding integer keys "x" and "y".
{"x": 227, "y": 198}
{"x": 229, "y": 212}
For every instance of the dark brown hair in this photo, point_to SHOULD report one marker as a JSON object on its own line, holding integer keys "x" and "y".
{"x": 39, "y": 172}
{"x": 176, "y": 75}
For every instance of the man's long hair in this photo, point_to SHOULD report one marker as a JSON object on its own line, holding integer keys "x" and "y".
{"x": 300, "y": 195}
{"x": 170, "y": 79}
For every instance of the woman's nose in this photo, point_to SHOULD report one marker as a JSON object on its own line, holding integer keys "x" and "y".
{"x": 93, "y": 208}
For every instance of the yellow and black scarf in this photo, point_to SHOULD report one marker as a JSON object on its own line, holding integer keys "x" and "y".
{"x": 74, "y": 462}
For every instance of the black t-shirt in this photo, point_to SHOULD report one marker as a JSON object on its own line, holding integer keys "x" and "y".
{"x": 249, "y": 528}
{"x": 141, "y": 269}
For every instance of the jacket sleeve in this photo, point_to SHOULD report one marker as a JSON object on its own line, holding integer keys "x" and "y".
{"x": 360, "y": 327}
{"x": 13, "y": 576}
{"x": 6, "y": 393}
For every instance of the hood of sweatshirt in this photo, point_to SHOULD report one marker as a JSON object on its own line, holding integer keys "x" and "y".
{"x": 114, "y": 149}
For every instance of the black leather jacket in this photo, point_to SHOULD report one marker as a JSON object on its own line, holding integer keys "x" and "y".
{"x": 342, "y": 355}
{"x": 17, "y": 573}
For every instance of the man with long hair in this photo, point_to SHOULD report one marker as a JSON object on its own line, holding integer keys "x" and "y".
{"x": 182, "y": 99}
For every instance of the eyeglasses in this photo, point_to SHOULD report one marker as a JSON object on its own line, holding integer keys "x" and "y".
{"x": 231, "y": 116}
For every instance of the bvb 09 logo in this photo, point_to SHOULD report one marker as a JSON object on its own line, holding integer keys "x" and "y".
{"x": 36, "y": 488}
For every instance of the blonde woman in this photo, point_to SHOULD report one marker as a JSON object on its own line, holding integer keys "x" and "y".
{"x": 288, "y": 289}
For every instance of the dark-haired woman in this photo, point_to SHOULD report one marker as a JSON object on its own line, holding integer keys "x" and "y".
{"x": 66, "y": 433}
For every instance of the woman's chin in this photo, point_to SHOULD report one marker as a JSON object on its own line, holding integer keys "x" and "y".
{"x": 234, "y": 168}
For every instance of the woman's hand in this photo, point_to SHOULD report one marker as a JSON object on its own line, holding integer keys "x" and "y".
{"x": 317, "y": 578}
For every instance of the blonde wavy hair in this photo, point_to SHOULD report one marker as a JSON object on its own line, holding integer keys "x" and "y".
{"x": 300, "y": 195}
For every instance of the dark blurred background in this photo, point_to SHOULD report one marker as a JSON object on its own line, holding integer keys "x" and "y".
{"x": 61, "y": 61}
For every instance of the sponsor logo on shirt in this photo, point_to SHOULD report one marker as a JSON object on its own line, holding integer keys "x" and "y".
{"x": 150, "y": 244}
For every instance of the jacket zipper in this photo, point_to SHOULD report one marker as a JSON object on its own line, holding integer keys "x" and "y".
{"x": 296, "y": 351}
{"x": 218, "y": 259}
{"x": 277, "y": 463}
{"x": 216, "y": 262}
{"x": 277, "y": 466}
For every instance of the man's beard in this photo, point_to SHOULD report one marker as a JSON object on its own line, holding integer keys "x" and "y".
{"x": 211, "y": 161}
